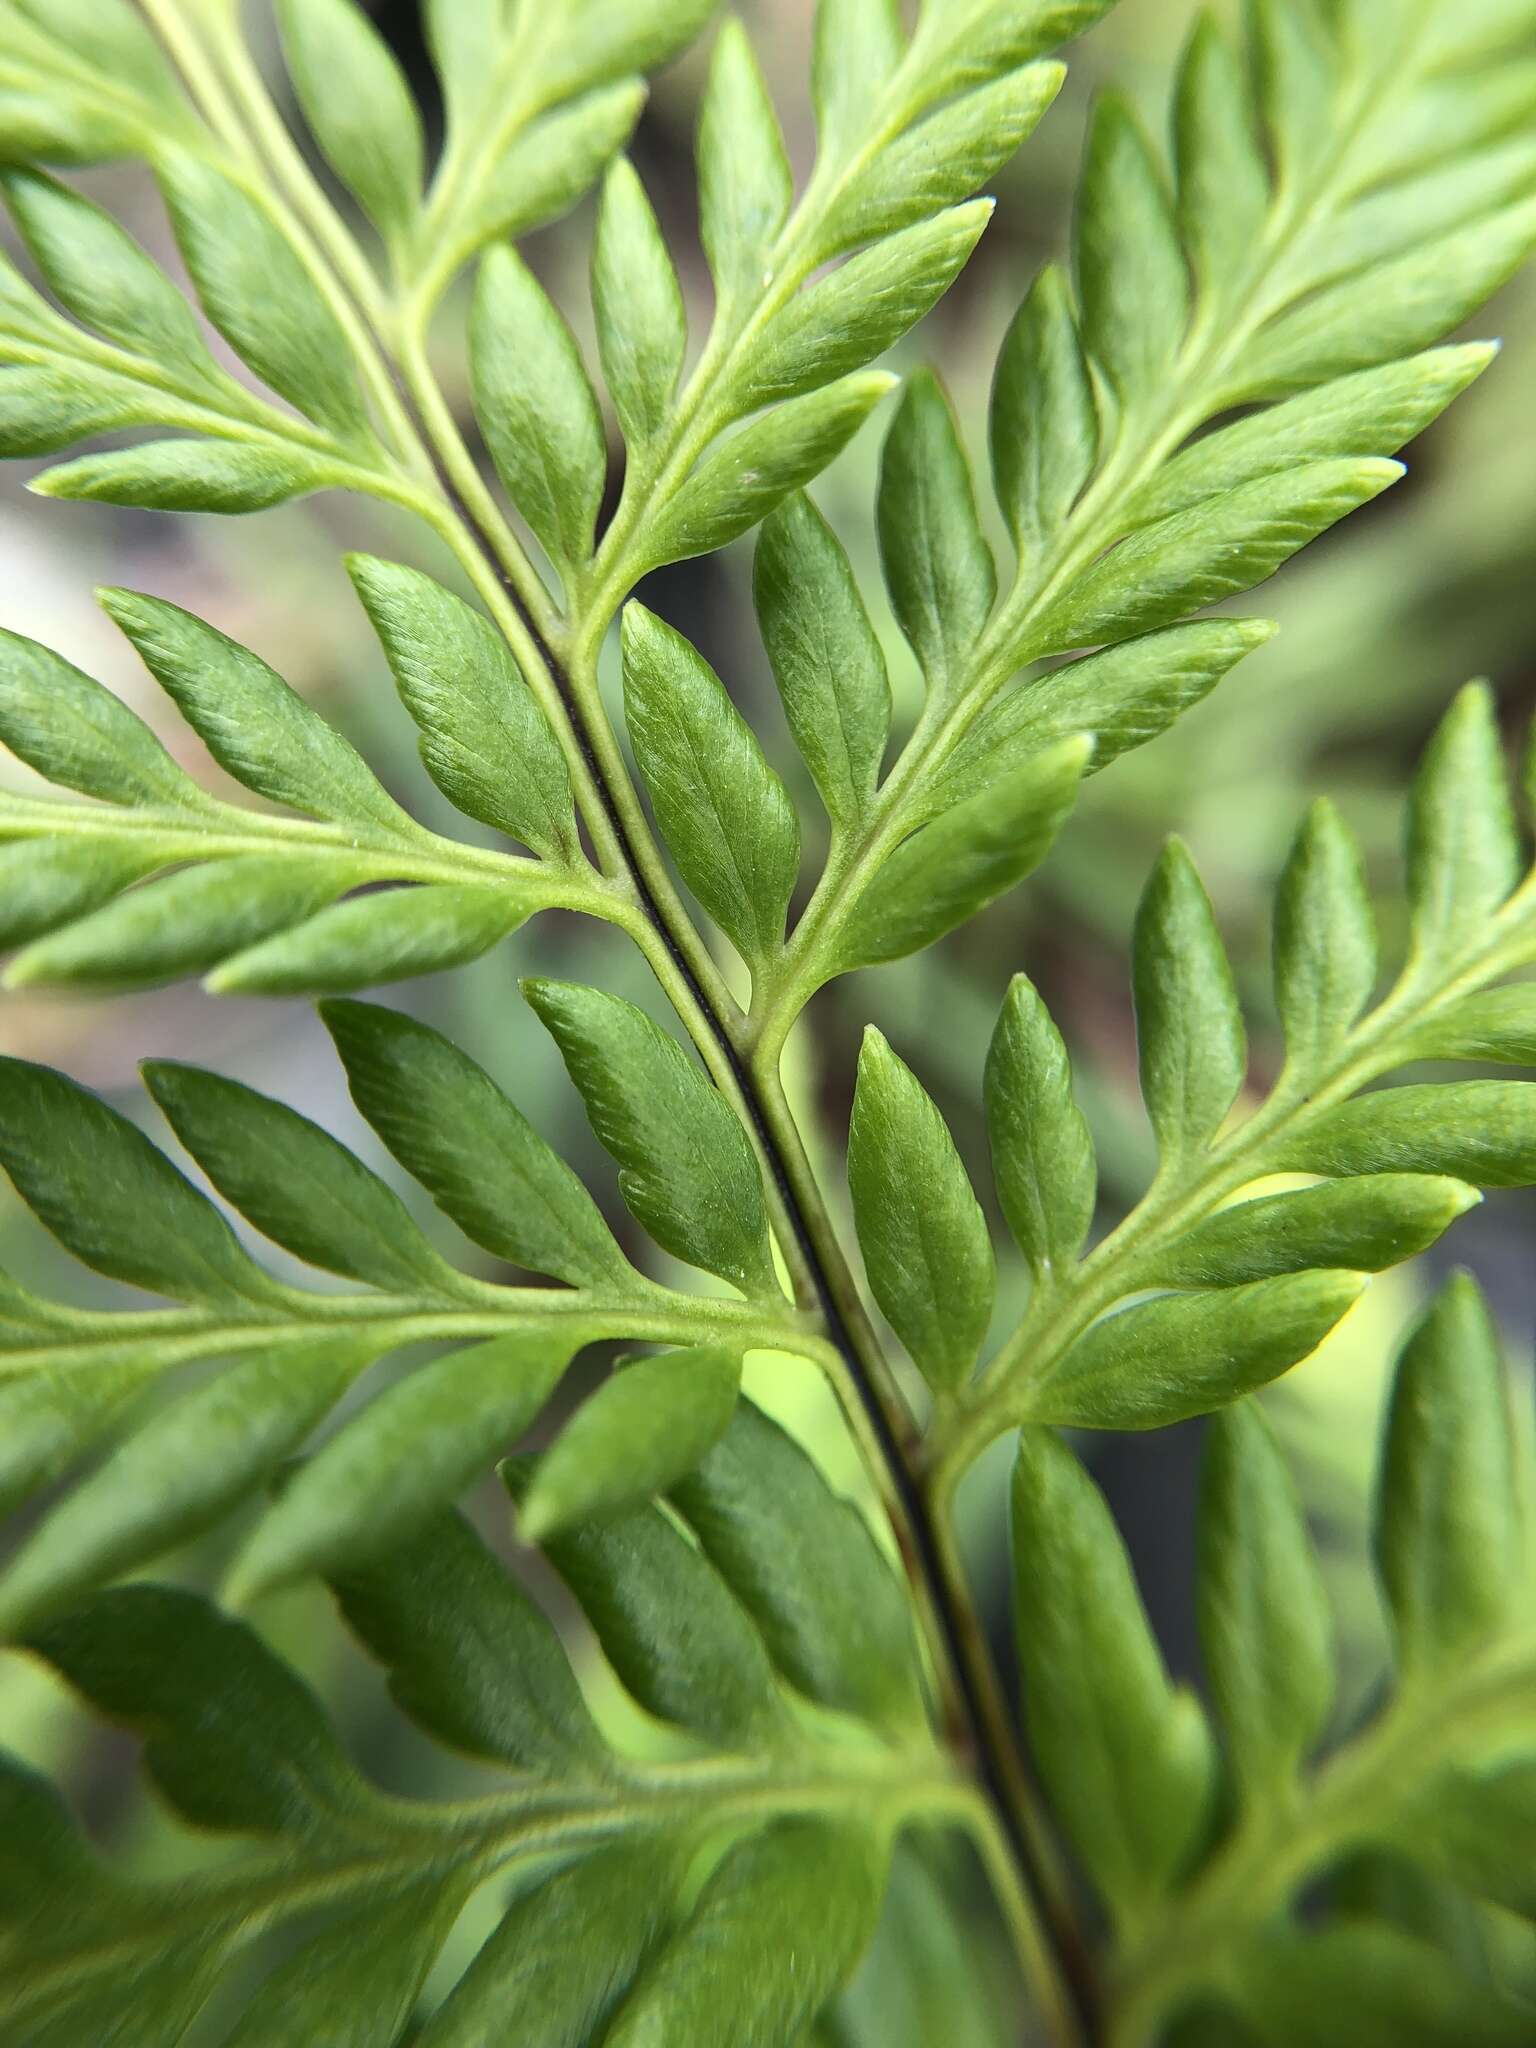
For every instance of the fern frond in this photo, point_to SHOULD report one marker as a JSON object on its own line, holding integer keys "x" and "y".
{"x": 777, "y": 391}
{"x": 1438, "y": 1779}
{"x": 908, "y": 130}
{"x": 744, "y": 1824}
{"x": 702, "y": 1789}
{"x": 83, "y": 82}
{"x": 288, "y": 1356}
{"x": 1214, "y": 1284}
{"x": 256, "y": 901}
{"x": 138, "y": 359}
{"x": 1284, "y": 271}
{"x": 536, "y": 108}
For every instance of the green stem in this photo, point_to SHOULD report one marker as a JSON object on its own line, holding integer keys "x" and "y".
{"x": 515, "y": 98}
{"x": 710, "y": 1000}
{"x": 1052, "y": 2005}
{"x": 651, "y": 1314}
{"x": 423, "y": 857}
{"x": 475, "y": 1840}
{"x": 1049, "y": 1887}
{"x": 462, "y": 472}
{"x": 824, "y": 1247}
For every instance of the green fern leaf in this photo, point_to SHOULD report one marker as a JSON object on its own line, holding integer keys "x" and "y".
{"x": 184, "y": 924}
{"x": 181, "y": 1473}
{"x": 537, "y": 1969}
{"x": 646, "y": 1427}
{"x": 471, "y": 1657}
{"x": 642, "y": 325}
{"x": 750, "y": 471}
{"x": 288, "y": 1355}
{"x": 1464, "y": 852}
{"x": 710, "y": 1748}
{"x": 1194, "y": 1049}
{"x": 968, "y": 857}
{"x": 809, "y": 1887}
{"x": 257, "y": 898}
{"x": 1311, "y": 311}
{"x": 1398, "y": 1164}
{"x": 1264, "y": 1620}
{"x": 1493, "y": 1026}
{"x": 256, "y": 292}
{"x": 532, "y": 119}
{"x": 1366, "y": 1984}
{"x": 1185, "y": 1354}
{"x": 1124, "y": 697}
{"x": 766, "y": 1520}
{"x": 939, "y": 569}
{"x": 1325, "y": 941}
{"x": 485, "y": 741}
{"x": 1042, "y": 1151}
{"x": 686, "y": 1166}
{"x": 296, "y": 1183}
{"x": 43, "y": 886}
{"x": 722, "y": 811}
{"x": 371, "y": 940}
{"x": 866, "y": 305}
{"x": 639, "y": 1582}
{"x": 194, "y": 476}
{"x": 1095, "y": 1687}
{"x": 1368, "y": 1224}
{"x": 924, "y": 1238}
{"x": 101, "y": 276}
{"x": 537, "y": 410}
{"x": 1132, "y": 281}
{"x": 450, "y": 1126}
{"x": 74, "y": 732}
{"x": 359, "y": 105}
{"x": 826, "y": 656}
{"x": 1450, "y": 1542}
{"x": 112, "y": 40}
{"x": 745, "y": 187}
{"x": 387, "y": 1471}
{"x": 258, "y": 728}
{"x": 1482, "y": 1131}
{"x": 1421, "y": 1776}
{"x": 110, "y": 1198}
{"x": 1044, "y": 422}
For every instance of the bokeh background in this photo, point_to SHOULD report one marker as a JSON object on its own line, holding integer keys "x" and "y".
{"x": 1381, "y": 622}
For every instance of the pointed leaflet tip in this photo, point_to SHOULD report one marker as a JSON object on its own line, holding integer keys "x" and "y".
{"x": 1479, "y": 353}
{"x": 30, "y": 968}
{"x": 1255, "y": 632}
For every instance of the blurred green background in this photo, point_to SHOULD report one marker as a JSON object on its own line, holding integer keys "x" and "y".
{"x": 1381, "y": 621}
